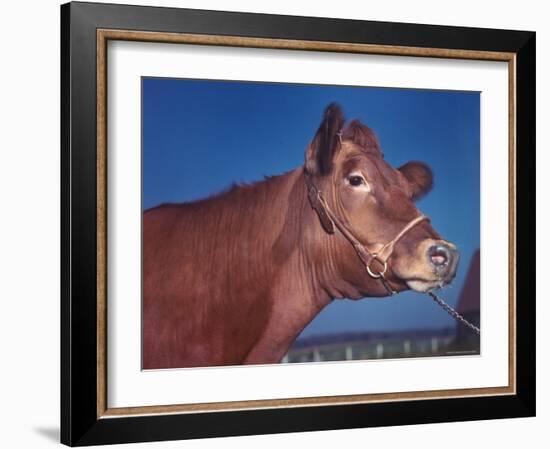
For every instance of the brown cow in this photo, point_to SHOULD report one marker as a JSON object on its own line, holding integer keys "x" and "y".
{"x": 234, "y": 278}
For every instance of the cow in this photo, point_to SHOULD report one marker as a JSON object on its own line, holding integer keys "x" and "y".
{"x": 234, "y": 278}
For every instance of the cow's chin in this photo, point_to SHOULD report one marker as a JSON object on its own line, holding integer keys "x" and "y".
{"x": 424, "y": 286}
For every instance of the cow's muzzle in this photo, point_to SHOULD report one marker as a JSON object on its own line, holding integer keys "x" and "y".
{"x": 443, "y": 257}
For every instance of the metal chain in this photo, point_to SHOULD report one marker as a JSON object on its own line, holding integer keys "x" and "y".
{"x": 454, "y": 313}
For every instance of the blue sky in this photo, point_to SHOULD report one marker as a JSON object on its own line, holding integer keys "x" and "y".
{"x": 200, "y": 136}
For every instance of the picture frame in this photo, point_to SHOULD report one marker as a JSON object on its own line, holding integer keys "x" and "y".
{"x": 86, "y": 29}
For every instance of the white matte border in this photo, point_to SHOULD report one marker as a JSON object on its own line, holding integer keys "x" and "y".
{"x": 128, "y": 386}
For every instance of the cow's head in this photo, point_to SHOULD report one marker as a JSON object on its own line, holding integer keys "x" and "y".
{"x": 375, "y": 202}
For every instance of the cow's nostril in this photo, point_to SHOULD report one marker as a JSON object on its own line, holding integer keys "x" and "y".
{"x": 439, "y": 255}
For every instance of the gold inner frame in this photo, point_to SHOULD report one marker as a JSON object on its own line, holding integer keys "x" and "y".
{"x": 104, "y": 35}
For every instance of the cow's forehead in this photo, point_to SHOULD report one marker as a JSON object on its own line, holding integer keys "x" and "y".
{"x": 352, "y": 156}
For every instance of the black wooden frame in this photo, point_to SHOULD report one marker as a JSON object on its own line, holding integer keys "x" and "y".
{"x": 79, "y": 422}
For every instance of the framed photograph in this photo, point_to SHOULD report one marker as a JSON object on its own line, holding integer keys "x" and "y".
{"x": 282, "y": 224}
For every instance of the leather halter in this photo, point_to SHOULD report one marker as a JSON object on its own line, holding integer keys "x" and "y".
{"x": 329, "y": 220}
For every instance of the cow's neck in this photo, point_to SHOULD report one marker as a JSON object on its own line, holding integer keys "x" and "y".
{"x": 295, "y": 300}
{"x": 308, "y": 276}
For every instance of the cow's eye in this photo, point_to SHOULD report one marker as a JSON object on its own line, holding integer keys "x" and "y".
{"x": 356, "y": 181}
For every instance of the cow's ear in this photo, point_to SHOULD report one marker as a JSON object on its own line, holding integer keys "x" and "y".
{"x": 326, "y": 142}
{"x": 420, "y": 178}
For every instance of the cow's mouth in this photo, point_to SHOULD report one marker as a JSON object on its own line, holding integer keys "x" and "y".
{"x": 440, "y": 280}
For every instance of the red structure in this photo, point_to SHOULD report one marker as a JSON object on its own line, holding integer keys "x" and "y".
{"x": 468, "y": 303}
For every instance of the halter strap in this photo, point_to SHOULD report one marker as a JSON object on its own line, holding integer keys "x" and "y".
{"x": 329, "y": 220}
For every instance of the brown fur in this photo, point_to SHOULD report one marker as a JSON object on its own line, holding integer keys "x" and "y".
{"x": 234, "y": 278}
{"x": 223, "y": 250}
